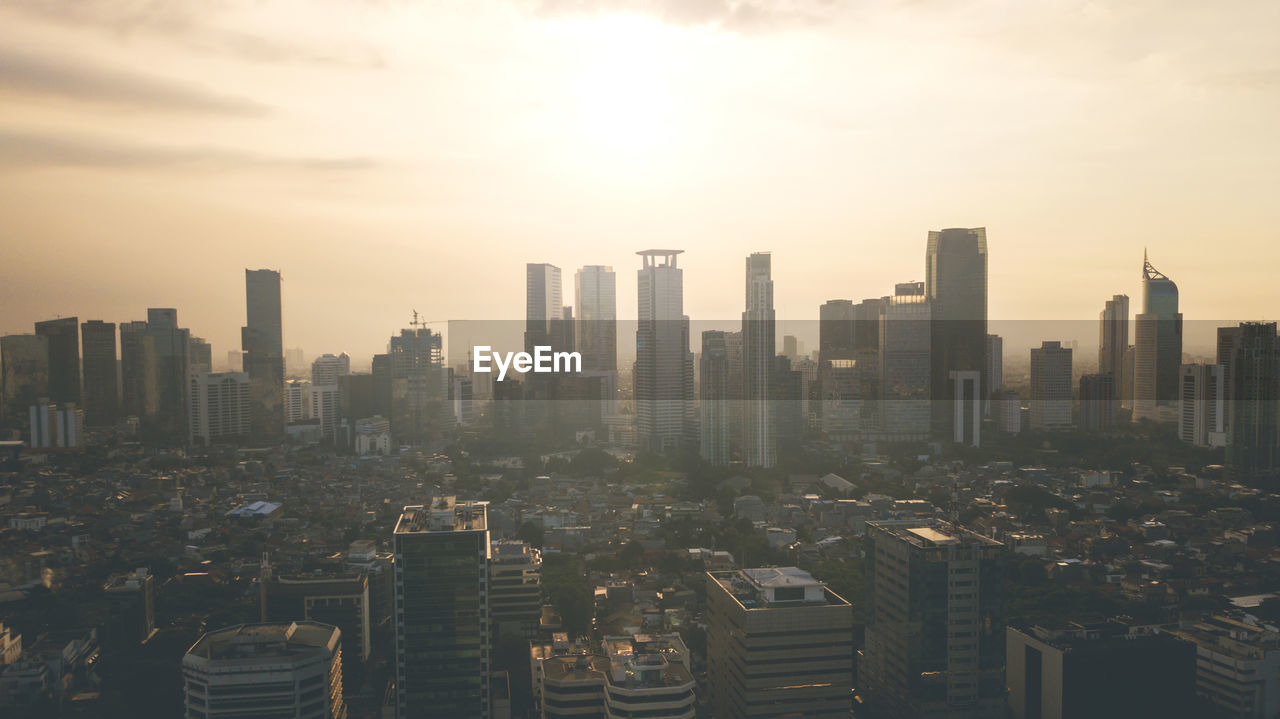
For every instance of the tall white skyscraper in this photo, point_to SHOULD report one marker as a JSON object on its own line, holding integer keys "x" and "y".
{"x": 758, "y": 348}
{"x": 543, "y": 302}
{"x": 664, "y": 365}
{"x": 1202, "y": 405}
{"x": 221, "y": 407}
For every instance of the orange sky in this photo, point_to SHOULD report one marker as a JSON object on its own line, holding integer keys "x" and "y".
{"x": 389, "y": 155}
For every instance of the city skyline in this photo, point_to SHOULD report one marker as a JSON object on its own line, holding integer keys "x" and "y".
{"x": 1063, "y": 150}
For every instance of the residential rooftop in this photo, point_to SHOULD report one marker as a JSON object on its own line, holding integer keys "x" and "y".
{"x": 776, "y": 588}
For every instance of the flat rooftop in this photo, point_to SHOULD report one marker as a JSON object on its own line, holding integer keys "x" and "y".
{"x": 759, "y": 588}
{"x": 276, "y": 640}
{"x": 444, "y": 514}
{"x": 932, "y": 533}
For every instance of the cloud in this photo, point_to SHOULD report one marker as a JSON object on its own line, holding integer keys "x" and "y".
{"x": 32, "y": 74}
{"x": 192, "y": 23}
{"x": 737, "y": 15}
{"x": 32, "y": 150}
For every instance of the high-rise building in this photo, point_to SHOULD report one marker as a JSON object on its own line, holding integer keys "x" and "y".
{"x": 131, "y": 599}
{"x": 325, "y": 405}
{"x": 843, "y": 399}
{"x": 1202, "y": 405}
{"x": 1253, "y": 404}
{"x": 787, "y": 403}
{"x": 1050, "y": 386}
{"x": 442, "y": 611}
{"x": 1097, "y": 401}
{"x": 967, "y": 403}
{"x": 297, "y": 401}
{"x": 935, "y": 635}
{"x": 56, "y": 425}
{"x": 956, "y": 288}
{"x": 327, "y": 368}
{"x": 291, "y": 669}
{"x": 416, "y": 383}
{"x": 24, "y": 378}
{"x": 595, "y": 298}
{"x": 101, "y": 384}
{"x": 137, "y": 369}
{"x": 262, "y": 340}
{"x": 904, "y": 354}
{"x": 995, "y": 370}
{"x": 543, "y": 303}
{"x": 63, "y": 335}
{"x": 779, "y": 644}
{"x": 200, "y": 355}
{"x": 1237, "y": 667}
{"x": 221, "y": 410}
{"x": 337, "y": 596}
{"x": 713, "y": 399}
{"x": 663, "y": 375}
{"x": 1157, "y": 348}
{"x": 758, "y": 350}
{"x": 641, "y": 675}
{"x": 1103, "y": 670}
{"x": 515, "y": 589}
{"x": 1113, "y": 339}
{"x": 165, "y": 380}
{"x": 1006, "y": 411}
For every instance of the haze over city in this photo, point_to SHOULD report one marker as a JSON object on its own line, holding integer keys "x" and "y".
{"x": 391, "y": 156}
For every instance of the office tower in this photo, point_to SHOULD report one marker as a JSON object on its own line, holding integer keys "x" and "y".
{"x": 905, "y": 366}
{"x": 758, "y": 349}
{"x": 543, "y": 303}
{"x": 335, "y": 596}
{"x": 663, "y": 375}
{"x": 442, "y": 611}
{"x": 956, "y": 288}
{"x": 294, "y": 360}
{"x": 1202, "y": 405}
{"x": 1157, "y": 348}
{"x": 200, "y": 355}
{"x": 64, "y": 358}
{"x": 790, "y": 346}
{"x": 734, "y": 351}
{"x": 786, "y": 404}
{"x": 327, "y": 368}
{"x": 1237, "y": 665}
{"x": 131, "y": 601}
{"x": 915, "y": 288}
{"x": 463, "y": 398}
{"x": 56, "y": 425}
{"x": 1253, "y": 401}
{"x": 221, "y": 408}
{"x": 779, "y": 644}
{"x": 1103, "y": 670}
{"x": 1050, "y": 386}
{"x": 967, "y": 403}
{"x": 515, "y": 589}
{"x": 1228, "y": 342}
{"x": 235, "y": 361}
{"x": 641, "y": 675}
{"x": 995, "y": 367}
{"x": 24, "y": 377}
{"x": 935, "y": 634}
{"x": 1113, "y": 339}
{"x": 1006, "y": 411}
{"x": 263, "y": 344}
{"x": 1097, "y": 401}
{"x": 837, "y": 332}
{"x": 355, "y": 396}
{"x": 291, "y": 669}
{"x": 137, "y": 370}
{"x": 713, "y": 399}
{"x": 324, "y": 404}
{"x": 416, "y": 382}
{"x": 101, "y": 384}
{"x": 842, "y": 400}
{"x": 297, "y": 401}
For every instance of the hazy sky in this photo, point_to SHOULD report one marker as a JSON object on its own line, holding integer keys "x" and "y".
{"x": 390, "y": 155}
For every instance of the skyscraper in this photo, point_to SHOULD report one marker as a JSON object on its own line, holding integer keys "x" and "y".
{"x": 543, "y": 303}
{"x": 220, "y": 408}
{"x": 779, "y": 644}
{"x": 165, "y": 364}
{"x": 1157, "y": 348}
{"x": 136, "y": 369}
{"x": 956, "y": 287}
{"x": 758, "y": 347}
{"x": 101, "y": 385}
{"x": 663, "y": 374}
{"x": 442, "y": 611}
{"x": 1253, "y": 431}
{"x": 1050, "y": 386}
{"x": 595, "y": 298}
{"x": 200, "y": 355}
{"x": 1202, "y": 405}
{"x": 713, "y": 399}
{"x": 24, "y": 378}
{"x": 327, "y": 368}
{"x": 935, "y": 623}
{"x": 966, "y": 403}
{"x": 417, "y": 387}
{"x": 263, "y": 343}
{"x": 1097, "y": 401}
{"x": 1113, "y": 338}
{"x": 904, "y": 366}
{"x": 63, "y": 335}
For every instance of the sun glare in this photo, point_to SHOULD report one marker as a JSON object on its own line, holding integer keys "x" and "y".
{"x": 624, "y": 101}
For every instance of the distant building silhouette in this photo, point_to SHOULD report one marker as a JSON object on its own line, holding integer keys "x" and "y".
{"x": 101, "y": 383}
{"x": 1253, "y": 431}
{"x": 1050, "y": 386}
{"x": 713, "y": 399}
{"x": 663, "y": 376}
{"x": 759, "y": 347}
{"x": 24, "y": 379}
{"x": 1113, "y": 340}
{"x": 1157, "y": 348}
{"x": 956, "y": 288}
{"x": 1097, "y": 401}
{"x": 1202, "y": 405}
{"x": 263, "y": 343}
{"x": 63, "y": 335}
